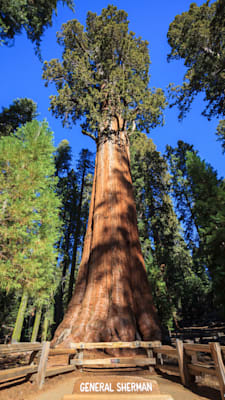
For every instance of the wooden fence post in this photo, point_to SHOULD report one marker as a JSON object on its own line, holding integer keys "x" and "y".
{"x": 42, "y": 364}
{"x": 80, "y": 355}
{"x": 150, "y": 355}
{"x": 182, "y": 362}
{"x": 219, "y": 366}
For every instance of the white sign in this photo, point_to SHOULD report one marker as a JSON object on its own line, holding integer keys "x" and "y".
{"x": 120, "y": 387}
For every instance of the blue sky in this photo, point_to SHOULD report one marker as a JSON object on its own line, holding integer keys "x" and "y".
{"x": 21, "y": 71}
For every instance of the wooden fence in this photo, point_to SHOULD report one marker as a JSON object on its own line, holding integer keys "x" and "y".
{"x": 188, "y": 359}
{"x": 37, "y": 363}
{"x": 191, "y": 363}
{"x": 41, "y": 352}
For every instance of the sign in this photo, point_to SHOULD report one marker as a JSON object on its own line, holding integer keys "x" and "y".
{"x": 115, "y": 384}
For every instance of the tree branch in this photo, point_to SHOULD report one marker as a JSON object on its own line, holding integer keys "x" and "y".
{"x": 89, "y": 134}
{"x": 210, "y": 51}
{"x": 132, "y": 128}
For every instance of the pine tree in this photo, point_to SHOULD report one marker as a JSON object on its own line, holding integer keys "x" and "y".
{"x": 73, "y": 187}
{"x": 17, "y": 114}
{"x": 208, "y": 207}
{"x": 67, "y": 190}
{"x": 84, "y": 167}
{"x": 176, "y": 287}
{"x": 205, "y": 207}
{"x": 177, "y": 158}
{"x": 104, "y": 79}
{"x": 29, "y": 214}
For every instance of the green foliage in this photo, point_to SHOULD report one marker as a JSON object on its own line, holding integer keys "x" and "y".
{"x": 74, "y": 188}
{"x": 177, "y": 158}
{"x": 209, "y": 211}
{"x": 9, "y": 305}
{"x": 33, "y": 17}
{"x": 220, "y": 132}
{"x": 200, "y": 196}
{"x": 84, "y": 167}
{"x": 198, "y": 37}
{"x": 63, "y": 158}
{"x": 104, "y": 75}
{"x": 29, "y": 212}
{"x": 175, "y": 285}
{"x": 17, "y": 114}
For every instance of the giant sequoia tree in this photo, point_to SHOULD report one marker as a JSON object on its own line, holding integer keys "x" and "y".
{"x": 104, "y": 79}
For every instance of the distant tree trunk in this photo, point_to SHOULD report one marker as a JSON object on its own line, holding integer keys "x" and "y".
{"x": 48, "y": 320}
{"x": 20, "y": 318}
{"x": 112, "y": 299}
{"x": 76, "y": 239}
{"x": 45, "y": 328}
{"x": 36, "y": 324}
{"x": 59, "y": 301}
{"x": 58, "y": 306}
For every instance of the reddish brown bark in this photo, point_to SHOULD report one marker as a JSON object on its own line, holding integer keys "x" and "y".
{"x": 112, "y": 298}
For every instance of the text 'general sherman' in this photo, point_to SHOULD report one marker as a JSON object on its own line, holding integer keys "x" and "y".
{"x": 119, "y": 387}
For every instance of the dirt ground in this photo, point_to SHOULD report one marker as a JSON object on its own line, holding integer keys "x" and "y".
{"x": 55, "y": 388}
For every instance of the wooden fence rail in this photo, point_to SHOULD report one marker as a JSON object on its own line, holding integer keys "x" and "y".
{"x": 75, "y": 358}
{"x": 38, "y": 370}
{"x": 121, "y": 362}
{"x": 186, "y": 359}
{"x": 188, "y": 364}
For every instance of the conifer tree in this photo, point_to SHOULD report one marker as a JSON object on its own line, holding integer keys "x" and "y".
{"x": 198, "y": 37}
{"x": 29, "y": 214}
{"x": 104, "y": 79}
{"x": 220, "y": 132}
{"x": 67, "y": 190}
{"x": 203, "y": 193}
{"x": 33, "y": 17}
{"x": 208, "y": 207}
{"x": 177, "y": 158}
{"x": 73, "y": 188}
{"x": 176, "y": 287}
{"x": 17, "y": 114}
{"x": 84, "y": 167}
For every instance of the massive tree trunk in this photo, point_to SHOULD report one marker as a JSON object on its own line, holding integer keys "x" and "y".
{"x": 112, "y": 299}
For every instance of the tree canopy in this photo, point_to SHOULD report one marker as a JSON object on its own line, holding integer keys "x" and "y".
{"x": 18, "y": 113}
{"x": 198, "y": 37}
{"x": 220, "y": 132}
{"x": 104, "y": 75}
{"x": 32, "y": 16}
